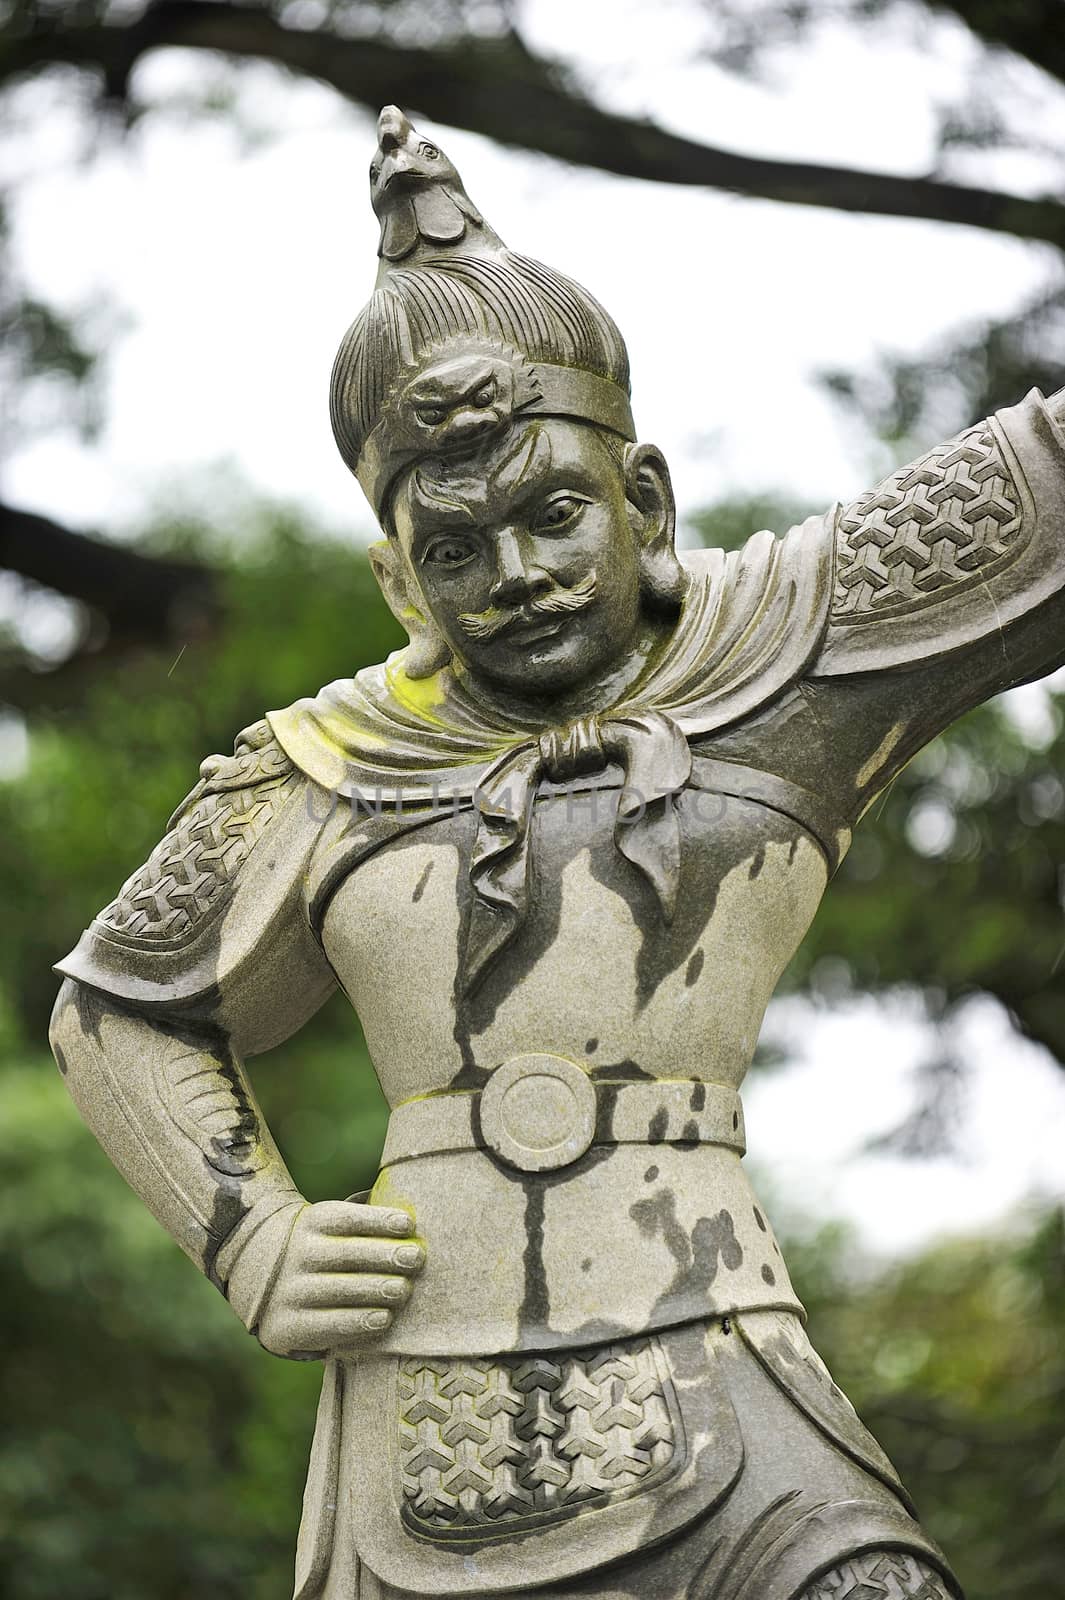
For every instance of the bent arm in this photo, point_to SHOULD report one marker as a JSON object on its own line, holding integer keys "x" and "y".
{"x": 205, "y": 955}
{"x": 172, "y": 1107}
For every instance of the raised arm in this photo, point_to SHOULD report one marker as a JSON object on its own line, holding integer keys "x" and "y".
{"x": 963, "y": 547}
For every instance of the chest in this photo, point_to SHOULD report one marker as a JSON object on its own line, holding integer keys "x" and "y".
{"x": 595, "y": 972}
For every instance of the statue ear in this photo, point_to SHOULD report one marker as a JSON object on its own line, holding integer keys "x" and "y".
{"x": 653, "y": 513}
{"x": 427, "y": 651}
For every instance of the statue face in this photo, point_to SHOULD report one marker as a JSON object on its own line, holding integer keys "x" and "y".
{"x": 527, "y": 561}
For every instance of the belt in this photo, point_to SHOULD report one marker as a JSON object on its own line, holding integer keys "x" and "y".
{"x": 538, "y": 1113}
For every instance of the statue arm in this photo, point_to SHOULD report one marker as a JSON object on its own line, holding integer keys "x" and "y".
{"x": 173, "y": 1109}
{"x": 206, "y": 956}
{"x": 960, "y": 553}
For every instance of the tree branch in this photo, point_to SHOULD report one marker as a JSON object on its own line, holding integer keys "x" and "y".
{"x": 144, "y": 599}
{"x": 497, "y": 88}
{"x": 1033, "y": 29}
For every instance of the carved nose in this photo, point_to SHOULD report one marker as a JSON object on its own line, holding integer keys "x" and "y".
{"x": 472, "y": 423}
{"x": 516, "y": 581}
{"x": 392, "y": 128}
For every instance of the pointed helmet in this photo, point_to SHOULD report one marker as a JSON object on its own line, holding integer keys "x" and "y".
{"x": 462, "y": 337}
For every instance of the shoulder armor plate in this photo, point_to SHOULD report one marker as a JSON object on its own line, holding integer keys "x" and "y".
{"x": 212, "y": 833}
{"x": 947, "y": 521}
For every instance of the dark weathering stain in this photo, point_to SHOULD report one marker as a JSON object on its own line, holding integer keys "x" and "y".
{"x": 758, "y": 1217}
{"x": 476, "y": 1011}
{"x": 713, "y": 1242}
{"x": 60, "y": 1058}
{"x": 768, "y": 1275}
{"x": 470, "y": 1075}
{"x": 591, "y": 1047}
{"x": 711, "y": 848}
{"x": 535, "y": 1310}
{"x": 535, "y": 1303}
{"x": 90, "y": 1010}
{"x": 714, "y": 1238}
{"x": 227, "y": 1210}
{"x": 419, "y": 887}
{"x": 658, "y": 1215}
{"x": 650, "y": 1175}
{"x": 627, "y": 1071}
{"x": 698, "y": 1098}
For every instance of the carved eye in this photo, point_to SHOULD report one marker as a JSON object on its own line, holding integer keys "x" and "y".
{"x": 485, "y": 394}
{"x": 428, "y": 151}
{"x": 431, "y": 416}
{"x": 450, "y": 552}
{"x": 559, "y": 512}
{"x": 375, "y": 172}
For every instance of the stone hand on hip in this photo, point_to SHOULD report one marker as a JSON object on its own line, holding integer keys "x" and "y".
{"x": 345, "y": 1271}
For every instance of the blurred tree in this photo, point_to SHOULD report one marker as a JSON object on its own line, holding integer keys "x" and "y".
{"x": 1007, "y": 119}
{"x": 467, "y": 64}
{"x": 955, "y": 1360}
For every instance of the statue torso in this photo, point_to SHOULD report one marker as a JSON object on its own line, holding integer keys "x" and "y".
{"x": 594, "y": 974}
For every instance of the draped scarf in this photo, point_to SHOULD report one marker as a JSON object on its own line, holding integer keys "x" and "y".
{"x": 750, "y": 624}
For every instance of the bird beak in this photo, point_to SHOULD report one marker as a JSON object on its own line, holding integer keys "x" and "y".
{"x": 392, "y": 128}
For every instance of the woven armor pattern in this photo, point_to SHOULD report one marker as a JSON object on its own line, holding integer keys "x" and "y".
{"x": 880, "y": 1575}
{"x": 941, "y": 524}
{"x": 212, "y": 834}
{"x": 491, "y": 1442}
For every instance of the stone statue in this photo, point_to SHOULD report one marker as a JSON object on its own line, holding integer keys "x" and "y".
{"x": 557, "y": 853}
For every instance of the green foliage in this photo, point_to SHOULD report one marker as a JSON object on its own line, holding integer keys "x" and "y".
{"x": 151, "y": 1447}
{"x": 729, "y": 523}
{"x": 956, "y": 1363}
{"x": 953, "y": 884}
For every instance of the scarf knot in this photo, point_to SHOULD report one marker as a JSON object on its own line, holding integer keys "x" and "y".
{"x": 573, "y": 751}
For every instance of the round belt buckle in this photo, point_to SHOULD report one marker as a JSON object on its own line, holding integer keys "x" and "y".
{"x": 538, "y": 1112}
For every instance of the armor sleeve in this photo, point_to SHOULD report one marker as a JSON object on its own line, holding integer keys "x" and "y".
{"x": 964, "y": 545}
{"x": 212, "y": 928}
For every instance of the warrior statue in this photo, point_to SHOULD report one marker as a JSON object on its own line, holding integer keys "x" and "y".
{"x": 557, "y": 852}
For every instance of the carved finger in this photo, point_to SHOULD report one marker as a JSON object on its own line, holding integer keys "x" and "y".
{"x": 339, "y": 1290}
{"x": 345, "y": 1217}
{"x": 331, "y": 1253}
{"x": 335, "y": 1330}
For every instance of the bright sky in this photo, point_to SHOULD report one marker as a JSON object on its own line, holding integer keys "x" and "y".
{"x": 238, "y": 264}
